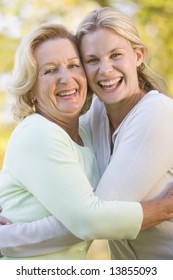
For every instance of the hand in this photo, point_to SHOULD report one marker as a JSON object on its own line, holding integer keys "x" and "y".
{"x": 157, "y": 211}
{"x": 3, "y": 220}
{"x": 169, "y": 203}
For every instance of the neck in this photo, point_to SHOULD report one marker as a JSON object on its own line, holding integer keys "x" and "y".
{"x": 69, "y": 124}
{"x": 118, "y": 111}
{"x": 72, "y": 129}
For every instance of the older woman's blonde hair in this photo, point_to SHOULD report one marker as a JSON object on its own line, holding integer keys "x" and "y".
{"x": 25, "y": 70}
{"x": 121, "y": 24}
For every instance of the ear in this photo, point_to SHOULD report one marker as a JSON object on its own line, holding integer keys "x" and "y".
{"x": 31, "y": 94}
{"x": 139, "y": 56}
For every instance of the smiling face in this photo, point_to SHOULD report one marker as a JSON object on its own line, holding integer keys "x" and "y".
{"x": 111, "y": 65}
{"x": 61, "y": 86}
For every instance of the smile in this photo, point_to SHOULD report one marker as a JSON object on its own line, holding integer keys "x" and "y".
{"x": 67, "y": 93}
{"x": 109, "y": 84}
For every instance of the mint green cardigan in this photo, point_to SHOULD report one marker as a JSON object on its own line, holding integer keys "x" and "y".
{"x": 46, "y": 173}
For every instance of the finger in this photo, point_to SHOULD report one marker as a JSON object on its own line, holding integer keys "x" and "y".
{"x": 4, "y": 221}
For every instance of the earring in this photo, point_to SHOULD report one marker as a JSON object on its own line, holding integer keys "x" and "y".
{"x": 33, "y": 101}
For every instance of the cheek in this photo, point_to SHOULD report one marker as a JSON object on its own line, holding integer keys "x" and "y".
{"x": 89, "y": 73}
{"x": 47, "y": 84}
{"x": 80, "y": 77}
{"x": 43, "y": 89}
{"x": 40, "y": 84}
{"x": 84, "y": 83}
{"x": 84, "y": 87}
{"x": 131, "y": 63}
{"x": 44, "y": 82}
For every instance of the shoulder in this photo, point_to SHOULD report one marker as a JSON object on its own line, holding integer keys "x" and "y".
{"x": 153, "y": 113}
{"x": 37, "y": 131}
{"x": 153, "y": 104}
{"x": 156, "y": 100}
{"x": 38, "y": 124}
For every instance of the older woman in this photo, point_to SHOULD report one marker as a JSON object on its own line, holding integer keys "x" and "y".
{"x": 112, "y": 71}
{"x": 49, "y": 165}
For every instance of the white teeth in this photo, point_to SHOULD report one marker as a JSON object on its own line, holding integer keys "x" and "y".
{"x": 109, "y": 83}
{"x": 67, "y": 93}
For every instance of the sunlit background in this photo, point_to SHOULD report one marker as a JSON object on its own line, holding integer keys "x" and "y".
{"x": 153, "y": 18}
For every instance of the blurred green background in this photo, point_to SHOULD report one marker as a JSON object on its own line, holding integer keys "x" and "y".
{"x": 153, "y": 18}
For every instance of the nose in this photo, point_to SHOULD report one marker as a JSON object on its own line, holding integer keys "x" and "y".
{"x": 64, "y": 75}
{"x": 105, "y": 67}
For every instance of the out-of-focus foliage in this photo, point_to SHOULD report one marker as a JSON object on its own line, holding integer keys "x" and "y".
{"x": 154, "y": 19}
{"x": 5, "y": 131}
{"x": 17, "y": 17}
{"x": 7, "y": 48}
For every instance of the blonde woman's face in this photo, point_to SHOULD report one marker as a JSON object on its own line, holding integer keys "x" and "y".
{"x": 111, "y": 65}
{"x": 61, "y": 83}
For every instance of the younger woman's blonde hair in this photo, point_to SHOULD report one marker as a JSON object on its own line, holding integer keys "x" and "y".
{"x": 121, "y": 24}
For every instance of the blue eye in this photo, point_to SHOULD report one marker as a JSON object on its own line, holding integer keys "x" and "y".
{"x": 115, "y": 55}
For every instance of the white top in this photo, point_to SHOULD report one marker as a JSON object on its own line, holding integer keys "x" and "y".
{"x": 46, "y": 173}
{"x": 140, "y": 168}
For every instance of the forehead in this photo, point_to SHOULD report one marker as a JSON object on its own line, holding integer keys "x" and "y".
{"x": 59, "y": 48}
{"x": 102, "y": 39}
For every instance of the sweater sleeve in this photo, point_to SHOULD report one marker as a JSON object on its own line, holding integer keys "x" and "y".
{"x": 39, "y": 237}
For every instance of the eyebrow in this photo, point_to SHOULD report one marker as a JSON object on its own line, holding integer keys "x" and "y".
{"x": 52, "y": 63}
{"x": 111, "y": 51}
